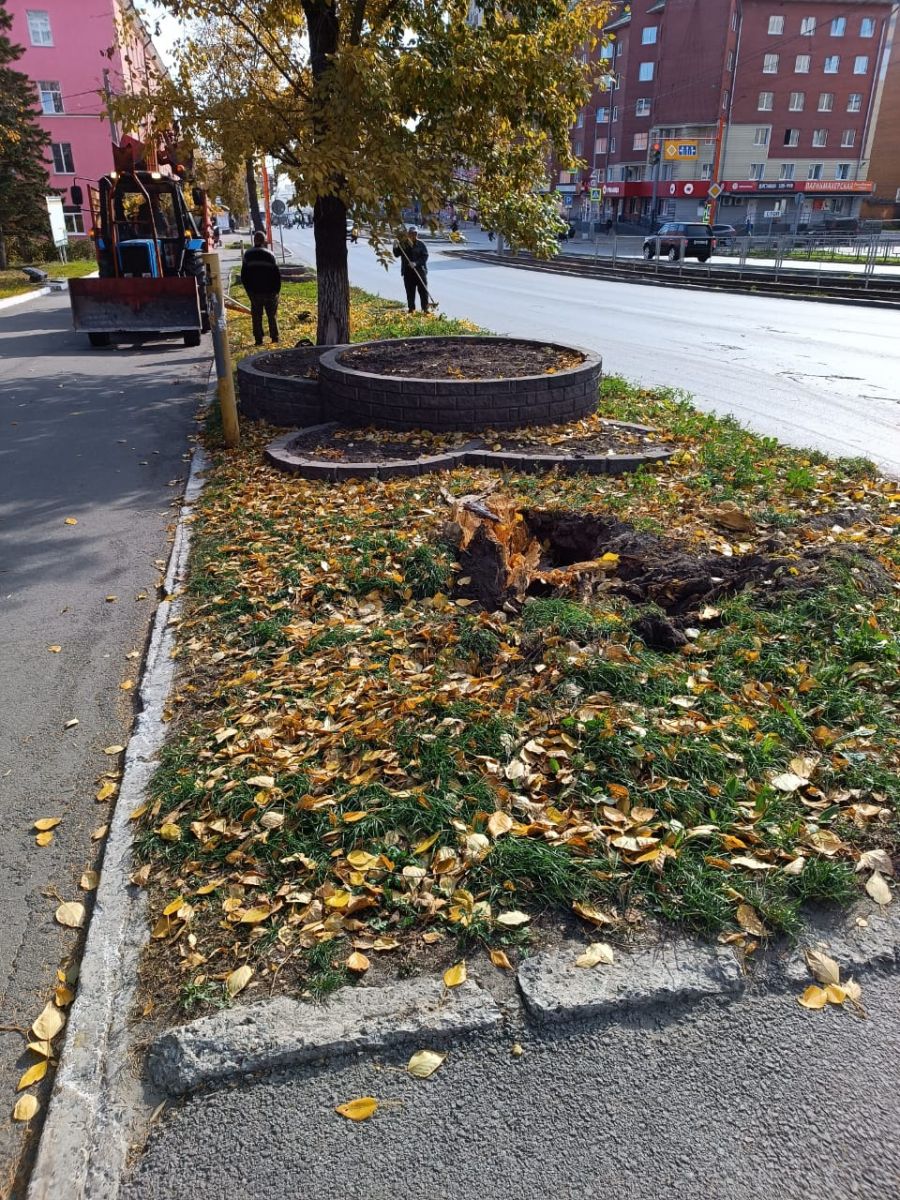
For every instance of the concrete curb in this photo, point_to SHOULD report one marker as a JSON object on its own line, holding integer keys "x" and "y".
{"x": 86, "y": 1135}
{"x": 283, "y": 1032}
{"x": 865, "y": 938}
{"x": 11, "y": 301}
{"x": 555, "y": 989}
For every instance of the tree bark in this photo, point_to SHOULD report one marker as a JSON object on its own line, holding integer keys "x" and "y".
{"x": 330, "y": 212}
{"x": 330, "y": 216}
{"x": 2, "y": 252}
{"x": 256, "y": 220}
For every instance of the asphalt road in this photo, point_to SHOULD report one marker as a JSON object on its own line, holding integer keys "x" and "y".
{"x": 100, "y": 437}
{"x": 811, "y": 374}
{"x": 757, "y": 1100}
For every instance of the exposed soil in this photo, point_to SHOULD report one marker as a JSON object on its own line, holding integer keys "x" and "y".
{"x": 300, "y": 363}
{"x": 497, "y": 358}
{"x": 558, "y": 552}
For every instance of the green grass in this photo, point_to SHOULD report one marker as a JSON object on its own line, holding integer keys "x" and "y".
{"x": 14, "y": 283}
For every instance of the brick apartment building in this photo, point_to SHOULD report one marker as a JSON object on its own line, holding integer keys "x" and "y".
{"x": 74, "y": 52}
{"x": 775, "y": 101}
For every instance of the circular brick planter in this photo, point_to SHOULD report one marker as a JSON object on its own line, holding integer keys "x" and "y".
{"x": 443, "y": 405}
{"x": 286, "y": 400}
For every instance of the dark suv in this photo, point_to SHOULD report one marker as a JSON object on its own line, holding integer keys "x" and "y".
{"x": 679, "y": 239}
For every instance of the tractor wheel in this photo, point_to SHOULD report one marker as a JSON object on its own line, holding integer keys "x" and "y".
{"x": 192, "y": 337}
{"x": 98, "y": 339}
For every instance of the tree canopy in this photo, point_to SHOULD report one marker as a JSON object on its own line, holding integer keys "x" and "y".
{"x": 368, "y": 104}
{"x": 23, "y": 171}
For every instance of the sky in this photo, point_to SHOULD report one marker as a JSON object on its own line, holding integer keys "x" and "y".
{"x": 170, "y": 28}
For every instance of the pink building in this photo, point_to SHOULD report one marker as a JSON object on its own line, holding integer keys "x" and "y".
{"x": 75, "y": 52}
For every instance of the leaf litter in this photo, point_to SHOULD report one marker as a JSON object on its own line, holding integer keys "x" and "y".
{"x": 362, "y": 750}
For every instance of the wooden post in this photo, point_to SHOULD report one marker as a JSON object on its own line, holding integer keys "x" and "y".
{"x": 219, "y": 327}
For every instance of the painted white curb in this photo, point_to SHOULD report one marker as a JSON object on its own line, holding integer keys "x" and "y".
{"x": 96, "y": 1096}
{"x": 11, "y": 301}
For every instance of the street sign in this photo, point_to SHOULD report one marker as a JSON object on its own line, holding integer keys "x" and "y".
{"x": 596, "y": 194}
{"x": 675, "y": 149}
{"x": 715, "y": 190}
{"x": 278, "y": 207}
{"x": 771, "y": 213}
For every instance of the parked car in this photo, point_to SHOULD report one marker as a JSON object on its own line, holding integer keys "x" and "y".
{"x": 725, "y": 235}
{"x": 680, "y": 239}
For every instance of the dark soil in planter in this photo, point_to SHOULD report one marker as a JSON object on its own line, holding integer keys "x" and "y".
{"x": 301, "y": 363}
{"x": 438, "y": 359}
{"x": 372, "y": 445}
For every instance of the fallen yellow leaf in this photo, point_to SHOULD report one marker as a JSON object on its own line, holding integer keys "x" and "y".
{"x": 89, "y": 881}
{"x": 48, "y": 1023}
{"x": 499, "y": 823}
{"x": 878, "y": 889}
{"x": 54, "y": 649}
{"x": 170, "y": 832}
{"x": 126, "y": 685}
{"x": 813, "y": 997}
{"x": 25, "y": 1109}
{"x": 513, "y": 919}
{"x": 47, "y": 823}
{"x": 100, "y": 832}
{"x": 750, "y": 922}
{"x": 358, "y": 963}
{"x": 499, "y": 959}
{"x": 455, "y": 975}
{"x": 44, "y": 1049}
{"x": 173, "y": 906}
{"x": 822, "y": 967}
{"x": 105, "y": 790}
{"x": 424, "y": 1063}
{"x": 597, "y": 952}
{"x": 238, "y": 979}
{"x": 71, "y": 521}
{"x": 113, "y": 749}
{"x": 63, "y": 995}
{"x": 32, "y": 1075}
{"x": 358, "y": 1110}
{"x": 44, "y": 839}
{"x": 71, "y": 914}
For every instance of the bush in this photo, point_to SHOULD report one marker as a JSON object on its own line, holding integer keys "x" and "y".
{"x": 81, "y": 250}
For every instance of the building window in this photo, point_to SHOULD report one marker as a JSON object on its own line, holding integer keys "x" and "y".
{"x": 74, "y": 220}
{"x": 579, "y": 120}
{"x": 617, "y": 81}
{"x": 600, "y": 146}
{"x": 733, "y": 20}
{"x": 51, "y": 97}
{"x": 814, "y": 170}
{"x": 62, "y": 158}
{"x": 706, "y": 170}
{"x": 730, "y": 62}
{"x": 860, "y": 64}
{"x": 826, "y": 101}
{"x": 601, "y": 175}
{"x": 577, "y": 149}
{"x": 792, "y": 137}
{"x": 848, "y": 138}
{"x": 838, "y": 26}
{"x": 820, "y": 137}
{"x": 602, "y": 116}
{"x": 854, "y": 102}
{"x": 615, "y": 115}
{"x": 756, "y": 170}
{"x": 607, "y": 51}
{"x": 640, "y": 141}
{"x": 776, "y": 24}
{"x": 787, "y": 171}
{"x": 766, "y": 99}
{"x": 645, "y": 72}
{"x": 761, "y": 136}
{"x": 39, "y": 27}
{"x": 642, "y": 108}
{"x": 842, "y": 170}
{"x": 770, "y": 64}
{"x": 807, "y": 26}
{"x": 612, "y": 145}
{"x": 648, "y": 35}
{"x": 867, "y": 27}
{"x": 832, "y": 64}
{"x": 797, "y": 101}
{"x": 801, "y": 64}
{"x": 668, "y": 171}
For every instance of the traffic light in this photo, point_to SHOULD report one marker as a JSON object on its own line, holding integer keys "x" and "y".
{"x": 655, "y": 152}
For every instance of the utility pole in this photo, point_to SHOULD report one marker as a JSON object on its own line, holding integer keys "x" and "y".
{"x": 655, "y": 153}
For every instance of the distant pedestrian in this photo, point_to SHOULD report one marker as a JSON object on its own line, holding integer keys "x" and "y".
{"x": 262, "y": 281}
{"x": 454, "y": 228}
{"x": 413, "y": 256}
{"x": 354, "y": 234}
{"x": 609, "y": 226}
{"x": 748, "y": 227}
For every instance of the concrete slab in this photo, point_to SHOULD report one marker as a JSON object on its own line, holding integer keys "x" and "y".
{"x": 283, "y": 1032}
{"x": 555, "y": 989}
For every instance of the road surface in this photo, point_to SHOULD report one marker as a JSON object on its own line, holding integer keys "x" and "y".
{"x": 811, "y": 374}
{"x": 98, "y": 437}
{"x": 757, "y": 1100}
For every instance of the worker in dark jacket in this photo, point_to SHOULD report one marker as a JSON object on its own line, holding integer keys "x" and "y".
{"x": 413, "y": 256}
{"x": 262, "y": 281}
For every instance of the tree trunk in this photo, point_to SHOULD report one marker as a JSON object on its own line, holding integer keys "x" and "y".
{"x": 330, "y": 215}
{"x": 330, "y": 212}
{"x": 256, "y": 220}
{"x": 2, "y": 252}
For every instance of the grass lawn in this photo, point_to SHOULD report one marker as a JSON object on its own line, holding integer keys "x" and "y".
{"x": 367, "y": 775}
{"x": 14, "y": 283}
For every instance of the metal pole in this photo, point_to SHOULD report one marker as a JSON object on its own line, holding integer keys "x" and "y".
{"x": 267, "y": 200}
{"x": 107, "y": 90}
{"x": 224, "y": 375}
{"x": 281, "y": 235}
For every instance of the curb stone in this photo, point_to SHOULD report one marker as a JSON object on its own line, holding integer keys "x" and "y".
{"x": 853, "y": 946}
{"x": 86, "y": 1135}
{"x": 555, "y": 989}
{"x": 283, "y": 1032}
